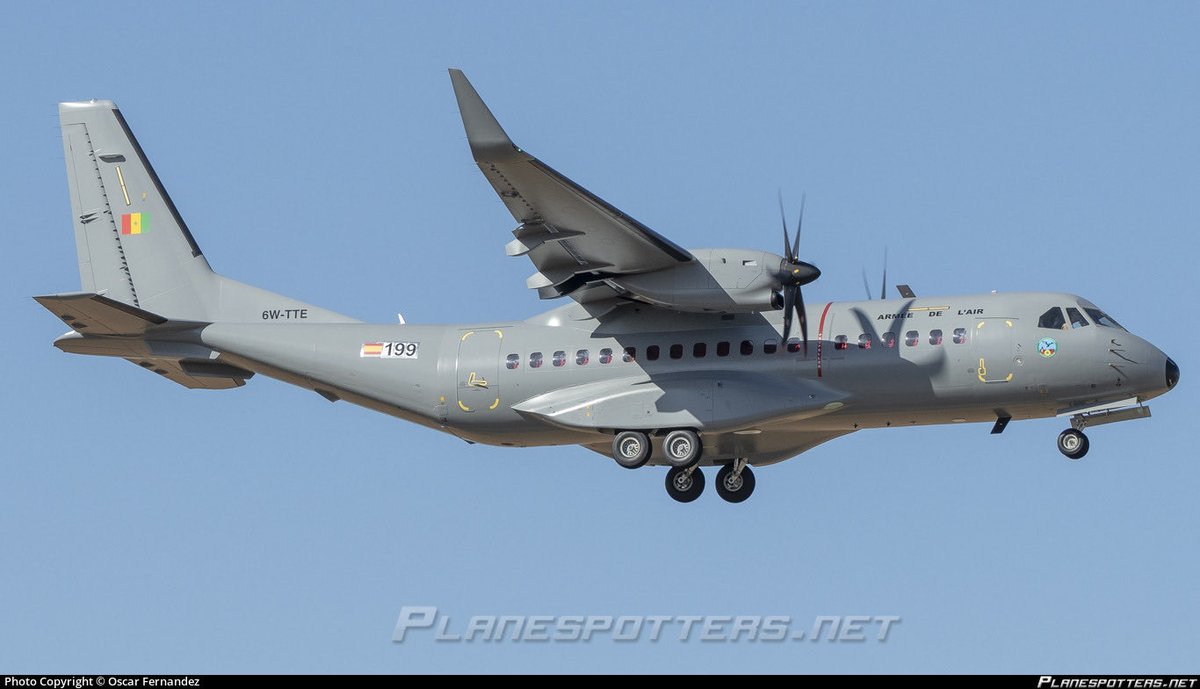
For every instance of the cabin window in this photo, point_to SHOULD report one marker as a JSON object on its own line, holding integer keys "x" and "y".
{"x": 841, "y": 342}
{"x": 889, "y": 340}
{"x": 699, "y": 350}
{"x": 770, "y": 347}
{"x": 676, "y": 351}
{"x": 1101, "y": 318}
{"x": 535, "y": 360}
{"x": 793, "y": 344}
{"x": 652, "y": 352}
{"x": 722, "y": 349}
{"x": 747, "y": 347}
{"x": 606, "y": 356}
{"x": 1053, "y": 319}
{"x": 935, "y": 337}
{"x": 560, "y": 358}
{"x": 960, "y": 335}
{"x": 1076, "y": 318}
{"x": 582, "y": 357}
{"x": 512, "y": 361}
{"x": 629, "y": 355}
{"x": 911, "y": 338}
{"x": 865, "y": 341}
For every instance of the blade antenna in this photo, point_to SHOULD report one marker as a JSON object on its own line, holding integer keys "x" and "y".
{"x": 883, "y": 287}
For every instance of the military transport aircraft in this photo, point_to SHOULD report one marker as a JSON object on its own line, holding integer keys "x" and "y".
{"x": 663, "y": 355}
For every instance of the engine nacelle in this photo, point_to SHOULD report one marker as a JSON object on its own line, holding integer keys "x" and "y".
{"x": 719, "y": 281}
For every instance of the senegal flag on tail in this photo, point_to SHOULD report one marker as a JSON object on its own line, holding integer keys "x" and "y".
{"x": 135, "y": 223}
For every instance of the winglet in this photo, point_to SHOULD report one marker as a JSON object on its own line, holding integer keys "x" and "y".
{"x": 486, "y": 136}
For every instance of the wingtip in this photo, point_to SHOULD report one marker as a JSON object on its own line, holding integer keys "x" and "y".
{"x": 487, "y": 138}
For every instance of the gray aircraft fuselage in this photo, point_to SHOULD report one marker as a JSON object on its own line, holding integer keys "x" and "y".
{"x": 925, "y": 382}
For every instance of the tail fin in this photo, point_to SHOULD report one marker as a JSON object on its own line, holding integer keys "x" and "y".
{"x": 132, "y": 243}
{"x": 133, "y": 246}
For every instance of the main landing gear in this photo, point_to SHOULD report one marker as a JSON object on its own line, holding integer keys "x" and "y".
{"x": 631, "y": 449}
{"x": 685, "y": 484}
{"x": 682, "y": 449}
{"x": 1073, "y": 443}
{"x": 735, "y": 482}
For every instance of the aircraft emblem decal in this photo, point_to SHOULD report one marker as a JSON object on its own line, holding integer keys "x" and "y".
{"x": 1048, "y": 347}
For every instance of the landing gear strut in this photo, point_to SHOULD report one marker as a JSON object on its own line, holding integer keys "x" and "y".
{"x": 1073, "y": 443}
{"x": 735, "y": 482}
{"x": 685, "y": 484}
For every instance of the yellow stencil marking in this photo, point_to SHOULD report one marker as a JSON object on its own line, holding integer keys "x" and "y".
{"x": 121, "y": 179}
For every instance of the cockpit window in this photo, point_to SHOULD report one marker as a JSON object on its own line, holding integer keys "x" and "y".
{"x": 1052, "y": 319}
{"x": 1101, "y": 318}
{"x": 1076, "y": 318}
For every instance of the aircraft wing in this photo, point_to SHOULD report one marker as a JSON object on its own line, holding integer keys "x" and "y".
{"x": 574, "y": 238}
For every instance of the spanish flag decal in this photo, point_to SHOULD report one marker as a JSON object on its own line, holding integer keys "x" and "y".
{"x": 371, "y": 349}
{"x": 135, "y": 223}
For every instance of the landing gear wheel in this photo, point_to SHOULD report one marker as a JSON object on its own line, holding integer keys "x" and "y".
{"x": 682, "y": 448}
{"x": 685, "y": 485}
{"x": 1072, "y": 443}
{"x": 631, "y": 449}
{"x": 735, "y": 487}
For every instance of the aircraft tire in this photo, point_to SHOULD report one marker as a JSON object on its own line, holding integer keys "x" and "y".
{"x": 683, "y": 486}
{"x": 735, "y": 490}
{"x": 1073, "y": 443}
{"x": 631, "y": 449}
{"x": 682, "y": 448}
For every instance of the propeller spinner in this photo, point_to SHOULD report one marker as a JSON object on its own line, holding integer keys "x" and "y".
{"x": 794, "y": 274}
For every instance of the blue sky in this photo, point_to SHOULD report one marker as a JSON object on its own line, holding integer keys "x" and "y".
{"x": 316, "y": 151}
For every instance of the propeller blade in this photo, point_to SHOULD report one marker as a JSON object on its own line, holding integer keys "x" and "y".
{"x": 786, "y": 239}
{"x": 799, "y": 224}
{"x": 866, "y": 285}
{"x": 789, "y": 302}
{"x": 803, "y": 320}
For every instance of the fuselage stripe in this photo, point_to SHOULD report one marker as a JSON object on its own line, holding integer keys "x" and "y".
{"x": 821, "y": 337}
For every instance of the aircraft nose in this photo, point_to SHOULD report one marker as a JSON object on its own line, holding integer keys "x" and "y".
{"x": 1172, "y": 373}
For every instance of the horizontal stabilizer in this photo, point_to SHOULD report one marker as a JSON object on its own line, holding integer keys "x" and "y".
{"x": 95, "y": 314}
{"x": 197, "y": 375}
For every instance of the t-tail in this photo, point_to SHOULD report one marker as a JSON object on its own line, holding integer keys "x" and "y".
{"x": 144, "y": 280}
